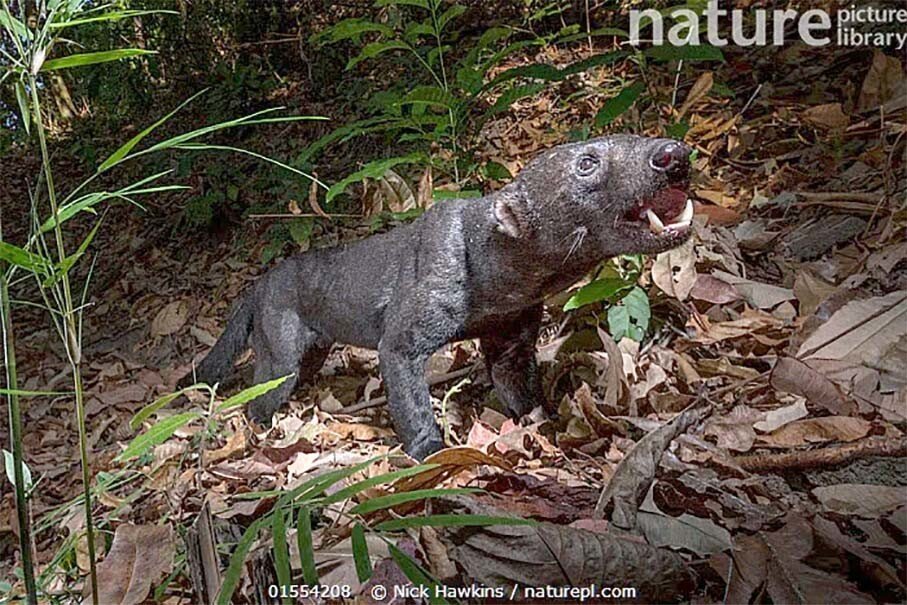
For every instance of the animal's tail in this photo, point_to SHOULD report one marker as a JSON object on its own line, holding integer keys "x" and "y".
{"x": 217, "y": 364}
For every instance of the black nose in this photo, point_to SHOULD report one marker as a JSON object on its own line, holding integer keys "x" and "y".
{"x": 673, "y": 158}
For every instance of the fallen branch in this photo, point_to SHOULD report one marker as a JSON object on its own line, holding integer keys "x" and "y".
{"x": 834, "y": 455}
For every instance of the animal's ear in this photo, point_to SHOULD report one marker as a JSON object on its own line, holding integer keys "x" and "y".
{"x": 509, "y": 212}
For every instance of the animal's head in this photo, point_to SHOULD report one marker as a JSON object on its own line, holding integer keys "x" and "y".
{"x": 612, "y": 195}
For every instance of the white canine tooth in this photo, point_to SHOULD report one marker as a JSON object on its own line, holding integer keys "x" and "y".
{"x": 654, "y": 222}
{"x": 679, "y": 225}
{"x": 687, "y": 215}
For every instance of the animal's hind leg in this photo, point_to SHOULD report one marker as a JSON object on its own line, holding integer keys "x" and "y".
{"x": 283, "y": 345}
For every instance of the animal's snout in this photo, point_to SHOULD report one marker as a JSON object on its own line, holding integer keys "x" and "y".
{"x": 672, "y": 158}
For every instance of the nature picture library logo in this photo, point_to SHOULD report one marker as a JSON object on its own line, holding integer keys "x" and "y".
{"x": 855, "y": 25}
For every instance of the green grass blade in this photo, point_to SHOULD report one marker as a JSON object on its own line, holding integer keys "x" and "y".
{"x": 22, "y": 393}
{"x": 360, "y": 486}
{"x": 360, "y": 554}
{"x": 450, "y": 521}
{"x": 389, "y": 501}
{"x": 124, "y": 150}
{"x": 415, "y": 573}
{"x": 281, "y": 552}
{"x": 20, "y": 257}
{"x": 156, "y": 435}
{"x": 146, "y": 412}
{"x": 200, "y": 147}
{"x": 113, "y": 16}
{"x": 251, "y": 393}
{"x": 237, "y": 560}
{"x": 306, "y": 550}
{"x": 93, "y": 58}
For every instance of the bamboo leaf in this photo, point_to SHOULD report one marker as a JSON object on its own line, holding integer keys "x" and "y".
{"x": 450, "y": 521}
{"x": 281, "y": 552}
{"x": 251, "y": 393}
{"x": 13, "y": 25}
{"x": 416, "y": 574}
{"x": 112, "y": 16}
{"x": 360, "y": 486}
{"x": 20, "y": 257}
{"x": 618, "y": 104}
{"x": 305, "y": 544}
{"x": 372, "y": 170}
{"x": 21, "y": 393}
{"x": 8, "y": 462}
{"x": 156, "y": 435}
{"x": 372, "y": 50}
{"x": 146, "y": 412}
{"x": 22, "y": 99}
{"x": 83, "y": 59}
{"x": 360, "y": 554}
{"x": 120, "y": 153}
{"x": 389, "y": 501}
{"x": 237, "y": 562}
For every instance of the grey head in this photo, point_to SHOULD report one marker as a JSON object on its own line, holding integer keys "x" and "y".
{"x": 582, "y": 202}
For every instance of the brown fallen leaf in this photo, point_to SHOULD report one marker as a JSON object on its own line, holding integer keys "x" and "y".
{"x": 734, "y": 430}
{"x": 860, "y": 499}
{"x": 860, "y": 331}
{"x": 829, "y": 116}
{"x": 235, "y": 445}
{"x": 634, "y": 474}
{"x": 793, "y": 376}
{"x": 700, "y": 88}
{"x": 811, "y": 291}
{"x": 170, "y": 319}
{"x": 139, "y": 557}
{"x": 883, "y": 81}
{"x": 713, "y": 290}
{"x": 546, "y": 554}
{"x": 758, "y": 294}
{"x": 817, "y": 430}
{"x": 775, "y": 419}
{"x": 674, "y": 271}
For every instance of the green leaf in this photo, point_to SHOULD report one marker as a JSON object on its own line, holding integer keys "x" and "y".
{"x": 391, "y": 500}
{"x": 69, "y": 262}
{"x": 549, "y": 73}
{"x": 430, "y": 95}
{"x": 597, "y": 291}
{"x": 343, "y": 133}
{"x": 13, "y": 25}
{"x": 372, "y": 170}
{"x": 618, "y": 321}
{"x": 120, "y": 153}
{"x": 497, "y": 171}
{"x": 156, "y": 435}
{"x": 306, "y": 550}
{"x": 349, "y": 28}
{"x": 281, "y": 552}
{"x": 374, "y": 49}
{"x": 512, "y": 95}
{"x": 416, "y": 3}
{"x": 360, "y": 486}
{"x": 678, "y": 130}
{"x": 264, "y": 158}
{"x": 637, "y": 303}
{"x": 360, "y": 554}
{"x": 416, "y": 574}
{"x": 113, "y": 16}
{"x": 9, "y": 463}
{"x": 93, "y": 58}
{"x": 20, "y": 257}
{"x": 22, "y": 99}
{"x": 687, "y": 52}
{"x": 21, "y": 393}
{"x": 234, "y": 571}
{"x": 450, "y": 521}
{"x": 146, "y": 412}
{"x": 617, "y": 105}
{"x": 449, "y": 15}
{"x": 251, "y": 393}
{"x": 447, "y": 194}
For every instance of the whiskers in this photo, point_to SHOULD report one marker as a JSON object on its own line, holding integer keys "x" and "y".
{"x": 578, "y": 235}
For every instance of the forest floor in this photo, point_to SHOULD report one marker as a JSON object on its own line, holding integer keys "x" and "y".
{"x": 781, "y": 324}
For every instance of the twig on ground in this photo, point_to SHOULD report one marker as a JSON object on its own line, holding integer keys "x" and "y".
{"x": 826, "y": 456}
{"x": 435, "y": 380}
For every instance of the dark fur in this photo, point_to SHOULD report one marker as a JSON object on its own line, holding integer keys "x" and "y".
{"x": 471, "y": 268}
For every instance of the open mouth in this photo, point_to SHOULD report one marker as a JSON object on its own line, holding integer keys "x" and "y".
{"x": 668, "y": 212}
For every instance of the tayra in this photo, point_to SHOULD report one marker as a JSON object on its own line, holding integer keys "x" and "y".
{"x": 467, "y": 268}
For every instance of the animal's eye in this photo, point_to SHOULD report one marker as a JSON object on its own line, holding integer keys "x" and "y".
{"x": 587, "y": 165}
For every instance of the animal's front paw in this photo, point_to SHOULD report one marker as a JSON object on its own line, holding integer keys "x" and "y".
{"x": 425, "y": 446}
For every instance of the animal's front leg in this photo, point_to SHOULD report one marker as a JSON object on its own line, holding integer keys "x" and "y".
{"x": 409, "y": 400}
{"x": 510, "y": 359}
